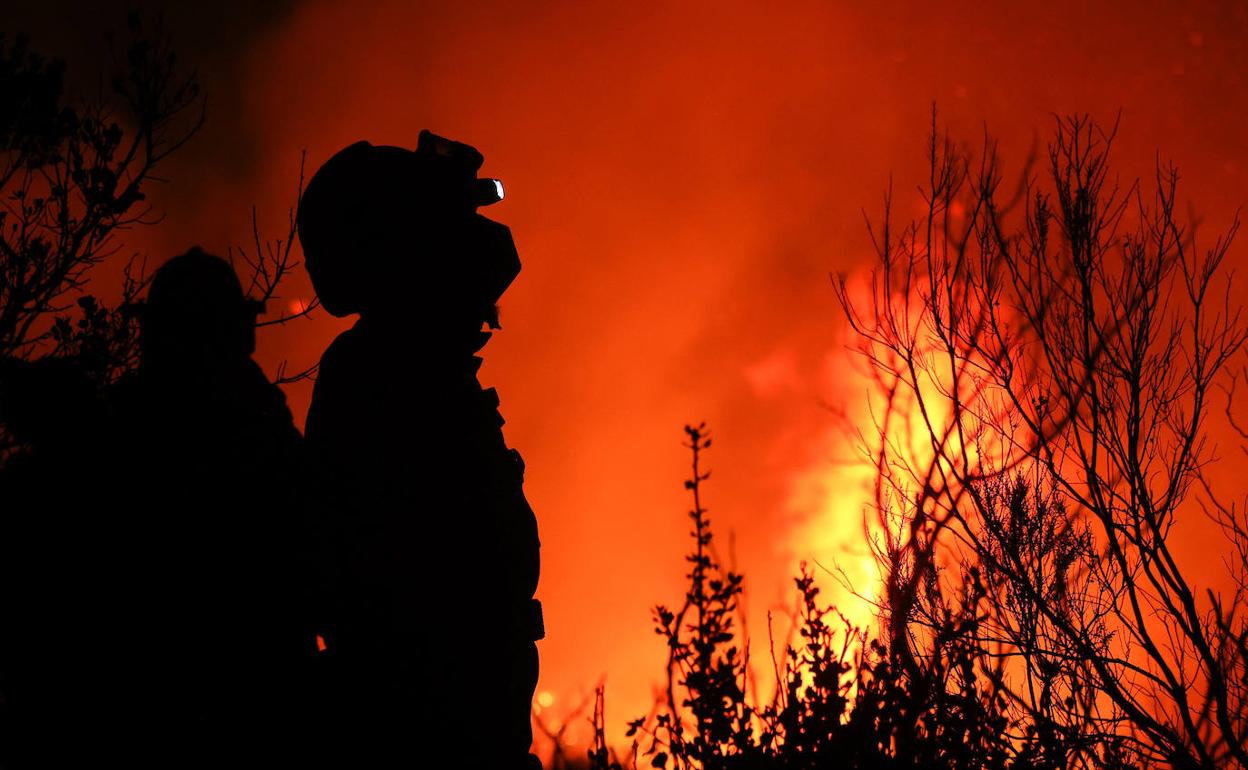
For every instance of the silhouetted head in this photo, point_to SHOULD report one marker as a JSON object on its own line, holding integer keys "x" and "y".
{"x": 196, "y": 314}
{"x": 394, "y": 232}
{"x": 46, "y": 402}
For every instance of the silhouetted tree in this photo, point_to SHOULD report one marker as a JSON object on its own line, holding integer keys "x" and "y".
{"x": 73, "y": 172}
{"x": 1044, "y": 363}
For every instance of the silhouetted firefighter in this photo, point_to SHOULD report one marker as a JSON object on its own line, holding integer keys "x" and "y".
{"x": 211, "y": 640}
{"x": 438, "y": 548}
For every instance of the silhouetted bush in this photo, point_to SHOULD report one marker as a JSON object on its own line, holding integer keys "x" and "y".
{"x": 1063, "y": 342}
{"x": 844, "y": 699}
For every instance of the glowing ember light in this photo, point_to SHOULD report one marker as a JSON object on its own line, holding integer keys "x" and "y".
{"x": 545, "y": 699}
{"x": 832, "y": 501}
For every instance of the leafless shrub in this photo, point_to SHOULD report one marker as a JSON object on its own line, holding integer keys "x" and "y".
{"x": 1044, "y": 368}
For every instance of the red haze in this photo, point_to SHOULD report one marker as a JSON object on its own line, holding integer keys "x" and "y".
{"x": 681, "y": 180}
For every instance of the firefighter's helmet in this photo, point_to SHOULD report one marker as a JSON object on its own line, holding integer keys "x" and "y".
{"x": 376, "y": 220}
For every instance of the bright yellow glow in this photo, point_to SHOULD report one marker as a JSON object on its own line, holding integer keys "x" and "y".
{"x": 833, "y": 501}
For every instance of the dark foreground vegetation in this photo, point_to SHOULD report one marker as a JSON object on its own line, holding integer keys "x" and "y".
{"x": 1054, "y": 367}
{"x": 845, "y": 698}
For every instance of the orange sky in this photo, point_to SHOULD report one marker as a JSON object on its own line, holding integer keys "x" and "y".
{"x": 681, "y": 179}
